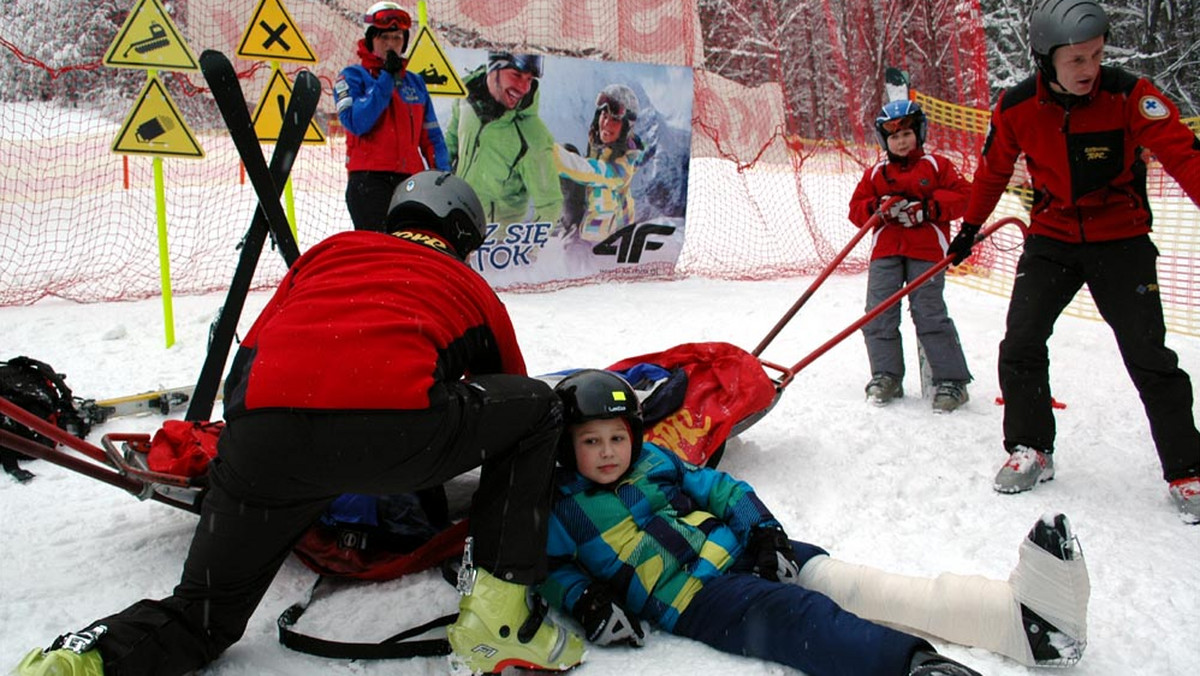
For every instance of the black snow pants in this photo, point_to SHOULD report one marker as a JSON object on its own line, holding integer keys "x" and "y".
{"x": 1123, "y": 281}
{"x": 368, "y": 196}
{"x": 277, "y": 471}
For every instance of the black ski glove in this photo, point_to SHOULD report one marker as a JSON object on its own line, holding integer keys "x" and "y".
{"x": 393, "y": 63}
{"x": 961, "y": 245}
{"x": 605, "y": 621}
{"x": 775, "y": 560}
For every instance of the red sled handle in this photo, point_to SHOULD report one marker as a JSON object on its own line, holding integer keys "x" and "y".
{"x": 895, "y": 298}
{"x": 872, "y": 224}
{"x": 105, "y": 471}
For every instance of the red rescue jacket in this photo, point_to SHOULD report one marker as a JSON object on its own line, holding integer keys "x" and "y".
{"x": 1084, "y": 156}
{"x": 365, "y": 321}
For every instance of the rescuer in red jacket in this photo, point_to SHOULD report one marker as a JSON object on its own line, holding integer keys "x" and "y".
{"x": 383, "y": 364}
{"x": 1082, "y": 128}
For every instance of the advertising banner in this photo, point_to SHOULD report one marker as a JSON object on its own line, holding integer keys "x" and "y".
{"x": 582, "y": 166}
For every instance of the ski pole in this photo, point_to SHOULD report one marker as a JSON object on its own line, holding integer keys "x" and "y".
{"x": 895, "y": 297}
{"x": 871, "y": 224}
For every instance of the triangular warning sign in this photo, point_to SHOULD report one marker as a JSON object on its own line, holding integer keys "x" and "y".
{"x": 430, "y": 62}
{"x": 272, "y": 35}
{"x": 155, "y": 127}
{"x": 150, "y": 40}
{"x": 268, "y": 117}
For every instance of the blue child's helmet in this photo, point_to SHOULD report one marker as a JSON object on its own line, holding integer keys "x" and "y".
{"x": 897, "y": 115}
{"x": 592, "y": 394}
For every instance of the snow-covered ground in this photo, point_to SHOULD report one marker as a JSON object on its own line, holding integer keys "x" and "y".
{"x": 895, "y": 487}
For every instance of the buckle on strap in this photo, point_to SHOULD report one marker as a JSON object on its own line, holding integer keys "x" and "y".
{"x": 79, "y": 642}
{"x": 466, "y": 572}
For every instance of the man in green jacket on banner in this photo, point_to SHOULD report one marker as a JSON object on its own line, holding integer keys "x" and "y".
{"x": 500, "y": 146}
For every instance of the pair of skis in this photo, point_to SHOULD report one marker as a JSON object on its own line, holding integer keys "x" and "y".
{"x": 269, "y": 217}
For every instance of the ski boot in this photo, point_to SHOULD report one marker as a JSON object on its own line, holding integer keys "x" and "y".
{"x": 69, "y": 655}
{"x": 883, "y": 388}
{"x": 1051, "y": 646}
{"x": 501, "y": 624}
{"x": 1025, "y": 468}
{"x": 950, "y": 394}
{"x": 1185, "y": 493}
{"x": 929, "y": 663}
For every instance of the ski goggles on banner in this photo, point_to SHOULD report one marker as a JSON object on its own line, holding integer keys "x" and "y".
{"x": 389, "y": 19}
{"x": 893, "y": 126}
{"x": 526, "y": 63}
{"x": 616, "y": 110}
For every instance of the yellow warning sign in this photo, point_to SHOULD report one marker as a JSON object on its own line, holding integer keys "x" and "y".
{"x": 430, "y": 62}
{"x": 155, "y": 127}
{"x": 150, "y": 40}
{"x": 268, "y": 117}
{"x": 272, "y": 35}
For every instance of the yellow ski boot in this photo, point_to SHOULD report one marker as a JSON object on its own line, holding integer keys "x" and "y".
{"x": 501, "y": 625}
{"x": 70, "y": 655}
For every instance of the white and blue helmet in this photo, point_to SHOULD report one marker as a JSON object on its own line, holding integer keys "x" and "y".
{"x": 897, "y": 115}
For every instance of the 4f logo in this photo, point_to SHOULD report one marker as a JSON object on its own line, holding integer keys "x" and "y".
{"x": 628, "y": 243}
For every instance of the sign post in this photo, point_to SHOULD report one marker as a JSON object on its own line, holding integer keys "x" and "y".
{"x": 149, "y": 40}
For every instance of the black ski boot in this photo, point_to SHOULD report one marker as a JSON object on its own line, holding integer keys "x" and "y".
{"x": 929, "y": 663}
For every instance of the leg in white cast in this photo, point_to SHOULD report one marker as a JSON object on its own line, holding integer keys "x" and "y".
{"x": 1038, "y": 617}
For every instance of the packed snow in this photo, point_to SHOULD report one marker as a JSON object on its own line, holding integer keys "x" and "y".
{"x": 897, "y": 487}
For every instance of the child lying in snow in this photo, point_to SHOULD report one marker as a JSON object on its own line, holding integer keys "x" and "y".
{"x": 693, "y": 550}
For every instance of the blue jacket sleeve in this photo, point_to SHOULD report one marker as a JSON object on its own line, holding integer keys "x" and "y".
{"x": 361, "y": 99}
{"x": 433, "y": 131}
{"x": 731, "y": 500}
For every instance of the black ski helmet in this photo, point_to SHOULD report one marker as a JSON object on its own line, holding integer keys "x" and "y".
{"x": 442, "y": 203}
{"x": 593, "y": 394}
{"x": 386, "y": 16}
{"x": 1058, "y": 23}
{"x": 897, "y": 115}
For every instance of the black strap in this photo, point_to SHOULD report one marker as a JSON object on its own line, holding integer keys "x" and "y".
{"x": 393, "y": 647}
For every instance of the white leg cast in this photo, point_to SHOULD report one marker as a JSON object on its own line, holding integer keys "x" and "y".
{"x": 968, "y": 610}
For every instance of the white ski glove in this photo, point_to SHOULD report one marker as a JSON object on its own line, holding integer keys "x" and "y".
{"x": 910, "y": 213}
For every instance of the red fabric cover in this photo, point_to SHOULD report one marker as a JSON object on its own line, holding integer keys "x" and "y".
{"x": 320, "y": 551}
{"x": 726, "y": 384}
{"x": 184, "y": 448}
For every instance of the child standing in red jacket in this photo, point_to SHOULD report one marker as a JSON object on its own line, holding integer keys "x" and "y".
{"x": 913, "y": 237}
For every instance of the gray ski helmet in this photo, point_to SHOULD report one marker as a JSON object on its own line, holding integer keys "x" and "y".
{"x": 620, "y": 101}
{"x": 897, "y": 115}
{"x": 1055, "y": 23}
{"x": 593, "y": 394}
{"x": 442, "y": 203}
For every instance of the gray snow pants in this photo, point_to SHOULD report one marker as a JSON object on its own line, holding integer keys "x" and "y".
{"x": 935, "y": 329}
